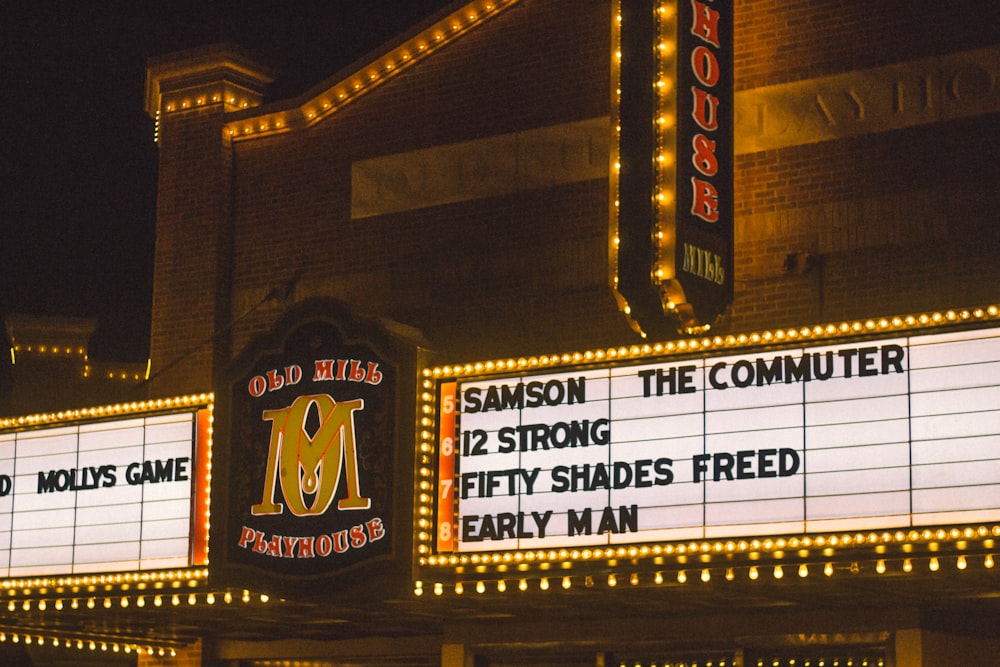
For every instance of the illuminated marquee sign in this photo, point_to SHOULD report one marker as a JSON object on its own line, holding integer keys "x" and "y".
{"x": 672, "y": 177}
{"x": 870, "y": 434}
{"x": 99, "y": 495}
{"x": 309, "y": 450}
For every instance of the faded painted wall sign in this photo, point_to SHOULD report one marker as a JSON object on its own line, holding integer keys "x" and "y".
{"x": 941, "y": 88}
{"x": 489, "y": 167}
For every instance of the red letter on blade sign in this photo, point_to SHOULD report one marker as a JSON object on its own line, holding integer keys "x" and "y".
{"x": 704, "y": 159}
{"x": 705, "y": 66}
{"x": 704, "y": 110}
{"x": 705, "y": 200}
{"x": 706, "y": 23}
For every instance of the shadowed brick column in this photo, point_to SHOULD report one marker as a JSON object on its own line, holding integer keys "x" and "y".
{"x": 190, "y": 93}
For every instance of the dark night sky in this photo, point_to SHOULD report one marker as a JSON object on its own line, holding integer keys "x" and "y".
{"x": 77, "y": 158}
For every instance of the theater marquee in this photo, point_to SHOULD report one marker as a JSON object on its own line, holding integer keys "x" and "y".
{"x": 711, "y": 439}
{"x": 117, "y": 488}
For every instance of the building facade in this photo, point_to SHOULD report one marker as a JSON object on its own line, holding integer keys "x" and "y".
{"x": 441, "y": 217}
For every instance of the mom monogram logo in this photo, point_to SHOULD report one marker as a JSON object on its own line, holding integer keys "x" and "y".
{"x": 308, "y": 480}
{"x": 308, "y": 468}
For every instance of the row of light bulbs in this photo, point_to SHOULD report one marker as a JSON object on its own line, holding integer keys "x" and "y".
{"x": 141, "y": 580}
{"x": 121, "y": 646}
{"x": 404, "y": 56}
{"x": 376, "y": 73}
{"x": 814, "y": 662}
{"x": 199, "y": 98}
{"x": 126, "y": 648}
{"x": 56, "y": 350}
{"x": 751, "y": 548}
{"x": 707, "y": 663}
{"x": 776, "y": 336}
{"x": 615, "y": 172}
{"x": 119, "y": 375}
{"x": 139, "y": 601}
{"x": 705, "y": 575}
{"x": 664, "y": 130}
{"x": 769, "y": 662}
{"x": 51, "y": 349}
{"x": 204, "y": 100}
{"x": 109, "y": 410}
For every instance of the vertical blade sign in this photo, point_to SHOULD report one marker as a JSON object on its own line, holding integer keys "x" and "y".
{"x": 672, "y": 181}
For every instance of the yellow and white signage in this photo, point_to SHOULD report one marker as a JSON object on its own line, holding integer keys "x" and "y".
{"x": 870, "y": 434}
{"x": 100, "y": 496}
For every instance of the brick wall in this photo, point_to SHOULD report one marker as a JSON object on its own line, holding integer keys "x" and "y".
{"x": 898, "y": 221}
{"x": 778, "y": 42}
{"x": 901, "y": 221}
{"x": 190, "y": 292}
{"x": 469, "y": 275}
